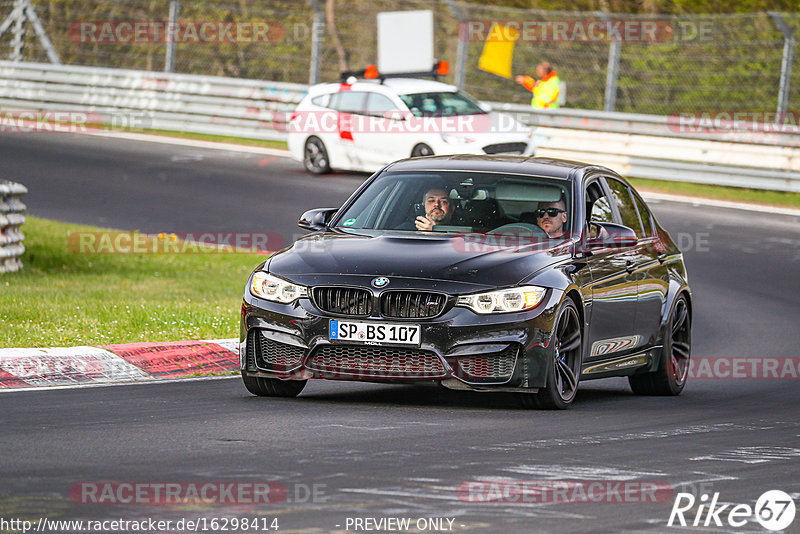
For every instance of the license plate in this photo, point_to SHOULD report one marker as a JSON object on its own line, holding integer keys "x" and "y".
{"x": 379, "y": 333}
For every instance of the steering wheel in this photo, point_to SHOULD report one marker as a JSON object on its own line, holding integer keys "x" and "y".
{"x": 526, "y": 229}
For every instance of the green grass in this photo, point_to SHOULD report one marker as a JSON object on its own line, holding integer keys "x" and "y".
{"x": 65, "y": 298}
{"x": 718, "y": 192}
{"x": 211, "y": 137}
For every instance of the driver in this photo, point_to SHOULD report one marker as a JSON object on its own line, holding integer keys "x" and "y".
{"x": 439, "y": 209}
{"x": 551, "y": 217}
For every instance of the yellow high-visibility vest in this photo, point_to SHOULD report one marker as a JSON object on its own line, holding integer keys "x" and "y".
{"x": 545, "y": 91}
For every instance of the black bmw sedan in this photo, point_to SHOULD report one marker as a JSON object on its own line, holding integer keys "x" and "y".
{"x": 485, "y": 273}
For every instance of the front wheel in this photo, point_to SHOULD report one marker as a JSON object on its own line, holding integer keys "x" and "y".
{"x": 315, "y": 156}
{"x": 564, "y": 374}
{"x": 673, "y": 368}
{"x": 272, "y": 387}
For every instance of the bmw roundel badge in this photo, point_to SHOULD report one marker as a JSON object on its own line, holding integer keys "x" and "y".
{"x": 381, "y": 281}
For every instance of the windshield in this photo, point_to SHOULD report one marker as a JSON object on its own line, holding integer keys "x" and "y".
{"x": 458, "y": 202}
{"x": 441, "y": 104}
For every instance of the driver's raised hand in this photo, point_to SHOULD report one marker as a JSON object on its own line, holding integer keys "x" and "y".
{"x": 423, "y": 223}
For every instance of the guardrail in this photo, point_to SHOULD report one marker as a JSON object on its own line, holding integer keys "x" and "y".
{"x": 153, "y": 100}
{"x": 637, "y": 145}
{"x": 11, "y": 218}
{"x": 656, "y": 147}
{"x": 708, "y": 126}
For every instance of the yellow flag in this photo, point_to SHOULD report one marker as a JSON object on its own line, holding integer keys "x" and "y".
{"x": 498, "y": 50}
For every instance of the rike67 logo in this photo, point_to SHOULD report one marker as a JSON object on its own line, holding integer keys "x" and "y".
{"x": 774, "y": 510}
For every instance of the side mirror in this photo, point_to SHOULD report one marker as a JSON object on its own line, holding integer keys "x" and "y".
{"x": 609, "y": 235}
{"x": 317, "y": 219}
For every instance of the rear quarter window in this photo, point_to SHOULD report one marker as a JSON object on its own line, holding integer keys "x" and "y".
{"x": 644, "y": 213}
{"x": 624, "y": 201}
{"x": 321, "y": 100}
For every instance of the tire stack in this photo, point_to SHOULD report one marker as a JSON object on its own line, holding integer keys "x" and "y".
{"x": 11, "y": 219}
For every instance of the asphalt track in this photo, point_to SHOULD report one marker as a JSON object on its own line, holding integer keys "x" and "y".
{"x": 383, "y": 451}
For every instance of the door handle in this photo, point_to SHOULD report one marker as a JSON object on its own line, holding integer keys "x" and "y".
{"x": 630, "y": 266}
{"x": 661, "y": 257}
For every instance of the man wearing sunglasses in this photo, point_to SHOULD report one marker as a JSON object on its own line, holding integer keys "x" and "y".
{"x": 551, "y": 217}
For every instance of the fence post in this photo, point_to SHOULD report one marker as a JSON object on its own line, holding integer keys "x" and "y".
{"x": 171, "y": 35}
{"x": 786, "y": 65}
{"x": 317, "y": 34}
{"x": 18, "y": 39}
{"x": 30, "y": 12}
{"x": 461, "y": 51}
{"x": 11, "y": 218}
{"x": 612, "y": 71}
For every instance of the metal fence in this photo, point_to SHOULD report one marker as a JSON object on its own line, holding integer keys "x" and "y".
{"x": 716, "y": 62}
{"x": 11, "y": 219}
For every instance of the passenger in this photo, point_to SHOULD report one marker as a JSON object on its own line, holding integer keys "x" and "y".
{"x": 551, "y": 217}
{"x": 438, "y": 209}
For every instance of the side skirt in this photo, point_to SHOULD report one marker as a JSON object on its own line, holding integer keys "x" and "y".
{"x": 620, "y": 365}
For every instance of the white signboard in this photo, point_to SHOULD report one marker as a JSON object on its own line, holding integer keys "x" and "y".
{"x": 405, "y": 41}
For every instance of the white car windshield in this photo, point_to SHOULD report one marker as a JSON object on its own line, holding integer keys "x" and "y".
{"x": 441, "y": 104}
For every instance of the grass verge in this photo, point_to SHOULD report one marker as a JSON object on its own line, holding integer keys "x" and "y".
{"x": 719, "y": 192}
{"x": 211, "y": 137}
{"x": 65, "y": 298}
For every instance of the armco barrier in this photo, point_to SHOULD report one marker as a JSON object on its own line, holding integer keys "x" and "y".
{"x": 11, "y": 218}
{"x": 153, "y": 100}
{"x": 636, "y": 145}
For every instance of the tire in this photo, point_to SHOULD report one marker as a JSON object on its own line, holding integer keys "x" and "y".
{"x": 564, "y": 375}
{"x": 315, "y": 156}
{"x": 673, "y": 367}
{"x": 272, "y": 387}
{"x": 421, "y": 150}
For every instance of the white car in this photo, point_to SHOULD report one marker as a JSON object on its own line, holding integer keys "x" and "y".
{"x": 363, "y": 125}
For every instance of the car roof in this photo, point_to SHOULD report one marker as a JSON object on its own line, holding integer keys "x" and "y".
{"x": 391, "y": 85}
{"x": 416, "y": 85}
{"x": 548, "y": 167}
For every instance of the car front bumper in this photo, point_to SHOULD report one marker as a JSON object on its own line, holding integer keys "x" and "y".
{"x": 460, "y": 349}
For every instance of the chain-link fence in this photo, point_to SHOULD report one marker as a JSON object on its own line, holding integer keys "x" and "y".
{"x": 694, "y": 63}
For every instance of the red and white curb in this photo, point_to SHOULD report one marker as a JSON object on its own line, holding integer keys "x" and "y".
{"x": 129, "y": 362}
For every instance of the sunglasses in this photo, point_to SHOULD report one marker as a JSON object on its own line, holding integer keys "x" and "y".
{"x": 551, "y": 212}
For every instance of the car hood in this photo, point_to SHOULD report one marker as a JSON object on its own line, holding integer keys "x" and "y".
{"x": 485, "y": 260}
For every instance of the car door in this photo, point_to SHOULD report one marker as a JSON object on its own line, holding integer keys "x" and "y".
{"x": 612, "y": 325}
{"x": 383, "y": 140}
{"x": 654, "y": 284}
{"x": 650, "y": 273}
{"x": 348, "y": 105}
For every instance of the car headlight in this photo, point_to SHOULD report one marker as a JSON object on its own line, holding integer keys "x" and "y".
{"x": 504, "y": 300}
{"x": 456, "y": 139}
{"x": 276, "y": 289}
